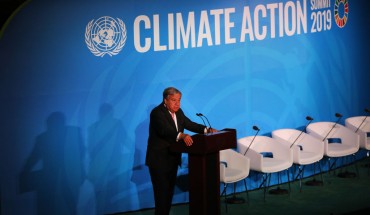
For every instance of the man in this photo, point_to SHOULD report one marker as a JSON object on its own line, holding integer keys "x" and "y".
{"x": 167, "y": 124}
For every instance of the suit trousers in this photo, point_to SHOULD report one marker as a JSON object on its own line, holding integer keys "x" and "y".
{"x": 163, "y": 182}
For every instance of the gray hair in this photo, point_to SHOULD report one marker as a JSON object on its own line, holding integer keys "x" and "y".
{"x": 170, "y": 91}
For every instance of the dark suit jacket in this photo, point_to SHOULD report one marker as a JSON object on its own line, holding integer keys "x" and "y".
{"x": 163, "y": 133}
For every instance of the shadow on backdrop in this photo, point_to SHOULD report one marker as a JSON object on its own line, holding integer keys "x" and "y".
{"x": 54, "y": 168}
{"x": 111, "y": 159}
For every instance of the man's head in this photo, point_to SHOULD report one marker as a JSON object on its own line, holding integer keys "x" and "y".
{"x": 172, "y": 98}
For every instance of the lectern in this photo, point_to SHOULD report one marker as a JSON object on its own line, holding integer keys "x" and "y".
{"x": 204, "y": 169}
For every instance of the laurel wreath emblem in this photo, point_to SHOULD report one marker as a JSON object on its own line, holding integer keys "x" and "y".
{"x": 99, "y": 52}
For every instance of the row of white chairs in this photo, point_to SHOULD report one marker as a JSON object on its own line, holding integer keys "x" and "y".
{"x": 292, "y": 147}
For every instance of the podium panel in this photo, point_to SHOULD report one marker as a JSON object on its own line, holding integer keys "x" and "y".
{"x": 204, "y": 169}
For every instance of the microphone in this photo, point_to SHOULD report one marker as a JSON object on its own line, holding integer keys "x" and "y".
{"x": 339, "y": 116}
{"x": 309, "y": 118}
{"x": 309, "y": 121}
{"x": 367, "y": 113}
{"x": 256, "y": 129}
{"x": 201, "y": 115}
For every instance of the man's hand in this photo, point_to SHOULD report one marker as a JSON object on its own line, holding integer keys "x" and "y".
{"x": 187, "y": 139}
{"x": 212, "y": 130}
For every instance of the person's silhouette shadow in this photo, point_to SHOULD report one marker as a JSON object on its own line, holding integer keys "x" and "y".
{"x": 111, "y": 158}
{"x": 141, "y": 175}
{"x": 54, "y": 167}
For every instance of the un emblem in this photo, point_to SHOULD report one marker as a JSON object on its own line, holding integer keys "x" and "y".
{"x": 105, "y": 36}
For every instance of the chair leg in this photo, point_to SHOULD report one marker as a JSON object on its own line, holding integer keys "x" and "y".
{"x": 356, "y": 167}
{"x": 300, "y": 175}
{"x": 287, "y": 171}
{"x": 279, "y": 179}
{"x": 353, "y": 156}
{"x": 224, "y": 193}
{"x": 278, "y": 190}
{"x": 315, "y": 182}
{"x": 224, "y": 190}
{"x": 234, "y": 199}
{"x": 322, "y": 180}
{"x": 268, "y": 184}
{"x": 346, "y": 173}
{"x": 332, "y": 165}
{"x": 234, "y": 193}
{"x": 246, "y": 190}
{"x": 266, "y": 179}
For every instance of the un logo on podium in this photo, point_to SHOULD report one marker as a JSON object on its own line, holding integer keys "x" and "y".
{"x": 106, "y": 35}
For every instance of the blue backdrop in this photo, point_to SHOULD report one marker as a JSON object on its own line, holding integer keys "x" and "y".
{"x": 79, "y": 78}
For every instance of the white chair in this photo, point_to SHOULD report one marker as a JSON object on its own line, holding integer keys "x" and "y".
{"x": 361, "y": 126}
{"x": 281, "y": 157}
{"x": 234, "y": 167}
{"x": 306, "y": 149}
{"x": 328, "y": 131}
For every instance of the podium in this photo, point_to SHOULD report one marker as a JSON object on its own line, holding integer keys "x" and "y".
{"x": 204, "y": 169}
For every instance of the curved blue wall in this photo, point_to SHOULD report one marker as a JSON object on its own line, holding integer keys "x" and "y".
{"x": 78, "y": 80}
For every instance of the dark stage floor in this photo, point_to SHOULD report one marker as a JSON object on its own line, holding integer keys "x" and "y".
{"x": 336, "y": 196}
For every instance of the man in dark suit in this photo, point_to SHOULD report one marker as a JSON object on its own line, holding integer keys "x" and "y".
{"x": 167, "y": 124}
